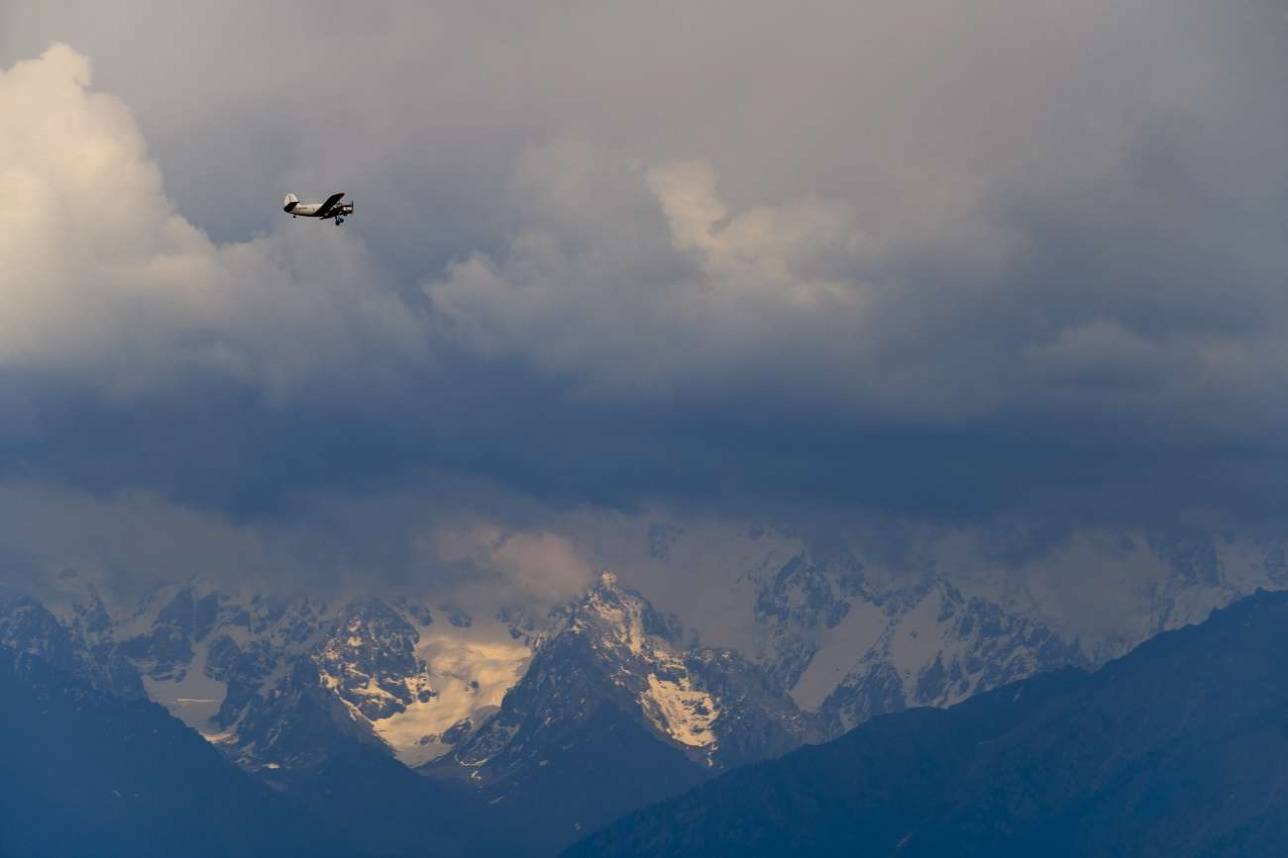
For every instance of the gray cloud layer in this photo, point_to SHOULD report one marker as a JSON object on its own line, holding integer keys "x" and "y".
{"x": 925, "y": 258}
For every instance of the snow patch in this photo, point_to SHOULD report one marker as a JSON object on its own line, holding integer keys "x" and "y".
{"x": 194, "y": 699}
{"x": 839, "y": 650}
{"x": 680, "y": 711}
{"x": 469, "y": 677}
{"x": 622, "y": 614}
{"x": 918, "y": 637}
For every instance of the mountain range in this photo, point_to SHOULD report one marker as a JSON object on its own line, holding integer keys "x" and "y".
{"x": 521, "y": 728}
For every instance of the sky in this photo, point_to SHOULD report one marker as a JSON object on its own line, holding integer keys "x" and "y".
{"x": 923, "y": 264}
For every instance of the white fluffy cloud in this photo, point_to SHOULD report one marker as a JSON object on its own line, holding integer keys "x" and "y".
{"x": 631, "y": 278}
{"x": 104, "y": 279}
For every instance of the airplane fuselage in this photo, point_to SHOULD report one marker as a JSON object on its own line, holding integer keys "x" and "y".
{"x": 302, "y": 209}
{"x": 314, "y": 209}
{"x": 332, "y": 208}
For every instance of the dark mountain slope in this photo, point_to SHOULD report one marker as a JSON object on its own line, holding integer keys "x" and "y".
{"x": 1180, "y": 748}
{"x": 86, "y": 772}
{"x": 568, "y": 751}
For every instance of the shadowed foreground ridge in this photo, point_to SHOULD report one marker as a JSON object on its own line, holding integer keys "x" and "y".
{"x": 1180, "y": 748}
{"x": 85, "y": 772}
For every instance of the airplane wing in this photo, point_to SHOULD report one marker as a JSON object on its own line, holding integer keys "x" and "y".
{"x": 329, "y": 204}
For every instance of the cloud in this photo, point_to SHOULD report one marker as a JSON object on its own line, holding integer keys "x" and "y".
{"x": 104, "y": 280}
{"x": 662, "y": 263}
{"x": 132, "y": 539}
{"x": 332, "y": 543}
{"x": 920, "y": 258}
{"x": 534, "y": 565}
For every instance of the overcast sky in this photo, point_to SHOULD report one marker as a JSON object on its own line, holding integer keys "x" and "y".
{"x": 928, "y": 261}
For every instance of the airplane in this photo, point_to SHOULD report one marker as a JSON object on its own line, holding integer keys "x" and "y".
{"x": 332, "y": 208}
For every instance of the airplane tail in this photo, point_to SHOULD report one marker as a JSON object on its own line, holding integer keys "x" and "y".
{"x": 290, "y": 198}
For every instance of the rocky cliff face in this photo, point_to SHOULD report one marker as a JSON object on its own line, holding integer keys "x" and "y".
{"x": 941, "y": 648}
{"x": 610, "y": 648}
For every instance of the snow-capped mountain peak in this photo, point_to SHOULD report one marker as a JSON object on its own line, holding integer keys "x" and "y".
{"x": 647, "y": 661}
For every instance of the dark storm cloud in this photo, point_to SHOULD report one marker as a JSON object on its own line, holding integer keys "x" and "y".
{"x": 932, "y": 261}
